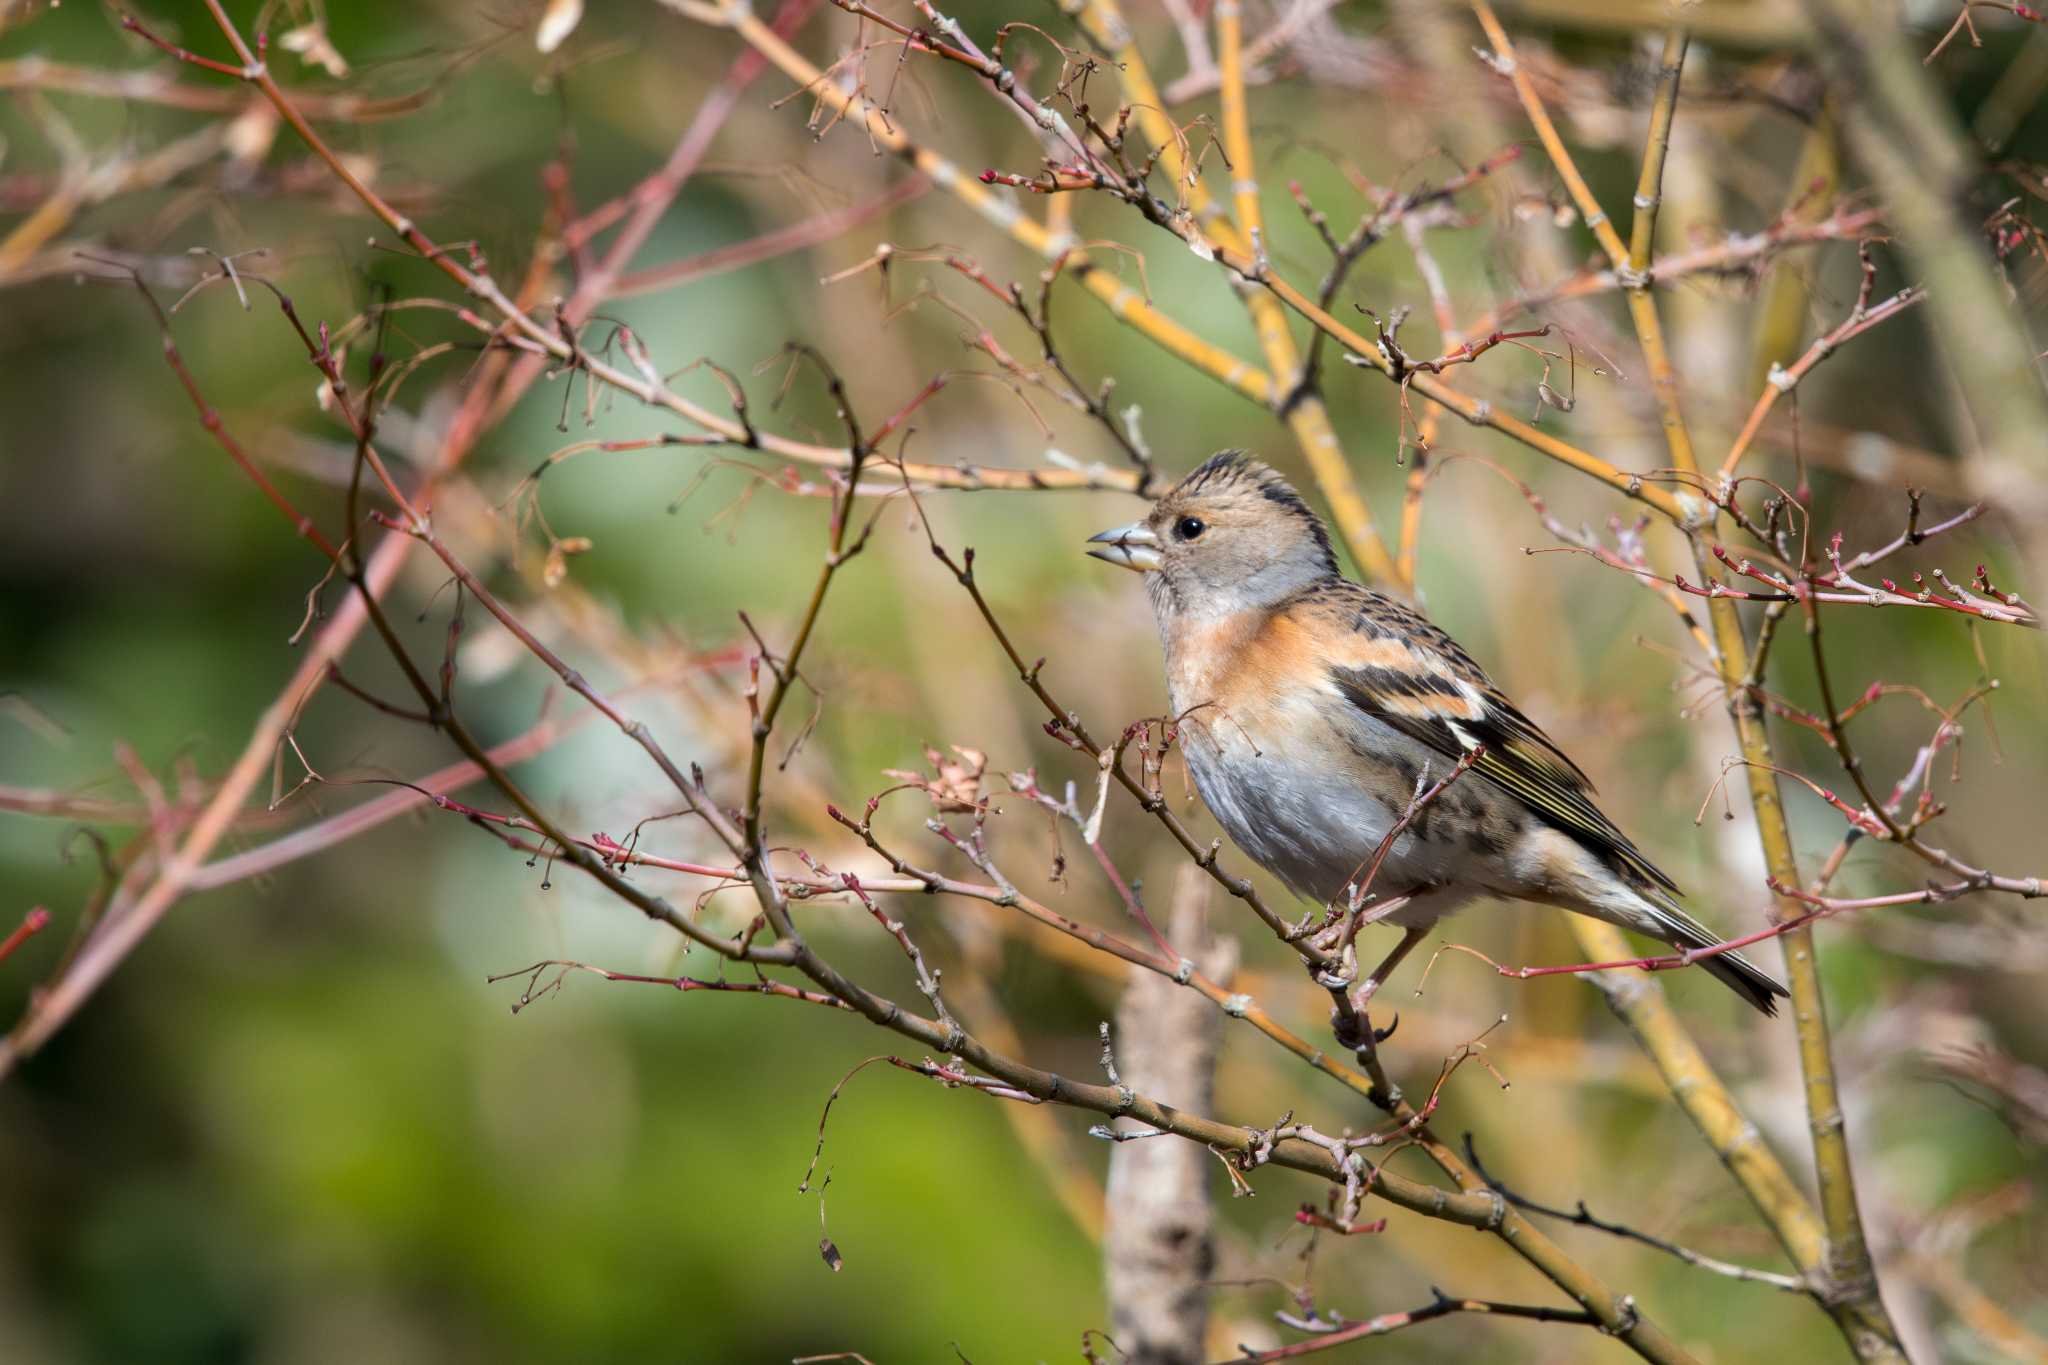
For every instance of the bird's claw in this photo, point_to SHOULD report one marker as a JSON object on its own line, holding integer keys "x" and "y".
{"x": 1354, "y": 1029}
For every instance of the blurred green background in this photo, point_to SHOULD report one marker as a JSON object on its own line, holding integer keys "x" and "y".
{"x": 299, "y": 1126}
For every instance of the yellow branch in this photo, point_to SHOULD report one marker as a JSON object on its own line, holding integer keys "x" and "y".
{"x": 1844, "y": 1276}
{"x": 1546, "y": 133}
{"x": 1128, "y": 306}
{"x": 1305, "y": 414}
{"x": 1478, "y": 411}
{"x": 1125, "y": 303}
{"x": 1237, "y": 124}
{"x": 1643, "y": 1006}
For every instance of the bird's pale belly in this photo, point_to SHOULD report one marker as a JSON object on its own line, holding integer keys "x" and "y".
{"x": 1309, "y": 816}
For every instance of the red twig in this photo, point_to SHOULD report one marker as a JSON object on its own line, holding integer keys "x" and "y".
{"x": 679, "y": 983}
{"x": 1823, "y": 908}
{"x": 31, "y": 924}
{"x": 240, "y": 73}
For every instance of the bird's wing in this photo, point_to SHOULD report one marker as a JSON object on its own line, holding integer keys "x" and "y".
{"x": 1397, "y": 667}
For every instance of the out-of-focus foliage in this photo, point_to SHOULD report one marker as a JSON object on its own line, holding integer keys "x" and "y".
{"x": 298, "y": 1125}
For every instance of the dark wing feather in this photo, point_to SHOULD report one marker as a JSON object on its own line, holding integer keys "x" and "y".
{"x": 1519, "y": 757}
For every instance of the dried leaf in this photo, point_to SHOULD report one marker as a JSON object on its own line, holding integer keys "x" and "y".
{"x": 251, "y": 133}
{"x": 557, "y": 567}
{"x": 833, "y": 1259}
{"x": 955, "y": 786}
{"x": 557, "y": 23}
{"x": 311, "y": 43}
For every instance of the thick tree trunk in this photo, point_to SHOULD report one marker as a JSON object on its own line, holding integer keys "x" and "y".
{"x": 1159, "y": 1250}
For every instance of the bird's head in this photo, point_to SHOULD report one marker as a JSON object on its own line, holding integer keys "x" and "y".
{"x": 1229, "y": 537}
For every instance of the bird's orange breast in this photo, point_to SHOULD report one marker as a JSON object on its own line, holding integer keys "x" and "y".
{"x": 1239, "y": 679}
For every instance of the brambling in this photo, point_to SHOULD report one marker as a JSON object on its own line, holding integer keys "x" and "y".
{"x": 1314, "y": 711}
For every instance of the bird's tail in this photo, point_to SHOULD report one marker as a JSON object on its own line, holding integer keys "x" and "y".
{"x": 1741, "y": 975}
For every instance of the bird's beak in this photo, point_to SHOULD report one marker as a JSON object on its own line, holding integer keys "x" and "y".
{"x": 1131, "y": 547}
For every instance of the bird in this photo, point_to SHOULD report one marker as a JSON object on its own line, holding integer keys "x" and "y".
{"x": 1314, "y": 712}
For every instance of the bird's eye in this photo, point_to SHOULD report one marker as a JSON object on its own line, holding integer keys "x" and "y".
{"x": 1187, "y": 528}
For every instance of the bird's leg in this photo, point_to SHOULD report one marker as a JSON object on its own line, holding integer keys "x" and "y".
{"x": 1410, "y": 936}
{"x": 1356, "y": 1033}
{"x": 1341, "y": 931}
{"x": 1348, "y": 1018}
{"x": 1362, "y": 998}
{"x": 1347, "y": 1023}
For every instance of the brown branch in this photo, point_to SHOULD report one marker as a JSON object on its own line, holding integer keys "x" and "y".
{"x": 1339, "y": 1333}
{"x": 1581, "y": 1216}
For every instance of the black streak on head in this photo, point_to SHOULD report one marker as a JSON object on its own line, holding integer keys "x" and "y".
{"x": 1229, "y": 467}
